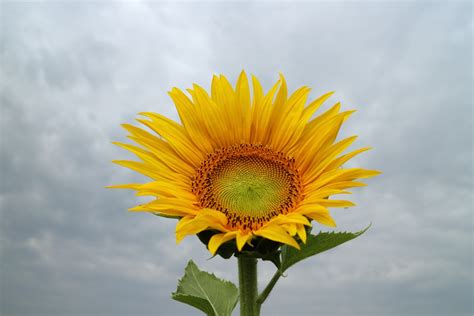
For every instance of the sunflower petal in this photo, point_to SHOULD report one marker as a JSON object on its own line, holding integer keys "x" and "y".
{"x": 301, "y": 231}
{"x": 218, "y": 239}
{"x": 290, "y": 228}
{"x": 242, "y": 238}
{"x": 276, "y": 233}
{"x": 318, "y": 213}
{"x": 132, "y": 186}
{"x": 328, "y": 203}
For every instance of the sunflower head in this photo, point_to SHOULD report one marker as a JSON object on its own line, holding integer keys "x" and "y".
{"x": 244, "y": 173}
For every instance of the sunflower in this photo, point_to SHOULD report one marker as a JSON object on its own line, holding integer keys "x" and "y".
{"x": 244, "y": 166}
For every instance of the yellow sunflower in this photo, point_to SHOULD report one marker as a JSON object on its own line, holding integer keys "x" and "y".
{"x": 244, "y": 166}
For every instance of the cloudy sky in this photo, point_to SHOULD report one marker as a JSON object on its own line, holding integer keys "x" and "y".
{"x": 72, "y": 73}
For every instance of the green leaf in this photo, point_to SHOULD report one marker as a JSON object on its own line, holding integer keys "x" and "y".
{"x": 315, "y": 244}
{"x": 213, "y": 296}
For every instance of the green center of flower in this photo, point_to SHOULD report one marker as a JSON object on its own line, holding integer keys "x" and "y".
{"x": 249, "y": 183}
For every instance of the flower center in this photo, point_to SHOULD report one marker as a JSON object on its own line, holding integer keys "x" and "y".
{"x": 249, "y": 183}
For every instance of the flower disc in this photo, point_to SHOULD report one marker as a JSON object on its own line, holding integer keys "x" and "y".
{"x": 249, "y": 183}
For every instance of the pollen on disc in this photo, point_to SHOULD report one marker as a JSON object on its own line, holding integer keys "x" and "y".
{"x": 249, "y": 183}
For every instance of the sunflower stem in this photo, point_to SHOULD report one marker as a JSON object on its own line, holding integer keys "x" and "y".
{"x": 248, "y": 286}
{"x": 263, "y": 296}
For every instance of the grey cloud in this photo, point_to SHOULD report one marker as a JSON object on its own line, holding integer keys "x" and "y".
{"x": 72, "y": 73}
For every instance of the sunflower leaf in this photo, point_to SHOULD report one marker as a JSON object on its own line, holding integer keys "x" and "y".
{"x": 204, "y": 291}
{"x": 315, "y": 244}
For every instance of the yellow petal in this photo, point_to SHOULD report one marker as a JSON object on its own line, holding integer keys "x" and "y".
{"x": 294, "y": 218}
{"x": 321, "y": 137}
{"x": 168, "y": 206}
{"x": 218, "y": 239}
{"x": 170, "y": 161}
{"x": 290, "y": 228}
{"x": 191, "y": 119}
{"x": 318, "y": 213}
{"x": 242, "y": 238}
{"x": 140, "y": 133}
{"x": 183, "y": 221}
{"x": 261, "y": 116}
{"x": 323, "y": 117}
{"x": 205, "y": 219}
{"x": 179, "y": 234}
{"x": 324, "y": 219}
{"x": 321, "y": 161}
{"x": 328, "y": 203}
{"x": 276, "y": 233}
{"x": 338, "y": 175}
{"x": 301, "y": 231}
{"x": 242, "y": 98}
{"x": 314, "y": 106}
{"x": 191, "y": 227}
{"x": 216, "y": 216}
{"x": 139, "y": 167}
{"x": 242, "y": 92}
{"x": 283, "y": 132}
{"x": 324, "y": 193}
{"x": 175, "y": 135}
{"x": 132, "y": 186}
{"x": 360, "y": 174}
{"x": 158, "y": 162}
{"x": 345, "y": 185}
{"x": 277, "y": 110}
{"x": 167, "y": 188}
{"x": 214, "y": 118}
{"x": 257, "y": 89}
{"x": 343, "y": 159}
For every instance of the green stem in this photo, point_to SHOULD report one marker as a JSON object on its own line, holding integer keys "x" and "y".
{"x": 248, "y": 286}
{"x": 263, "y": 296}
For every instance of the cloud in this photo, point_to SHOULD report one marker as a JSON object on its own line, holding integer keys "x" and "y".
{"x": 72, "y": 73}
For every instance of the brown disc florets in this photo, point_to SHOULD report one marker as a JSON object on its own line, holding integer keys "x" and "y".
{"x": 249, "y": 183}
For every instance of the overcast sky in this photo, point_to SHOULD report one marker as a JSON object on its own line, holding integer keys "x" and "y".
{"x": 72, "y": 73}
